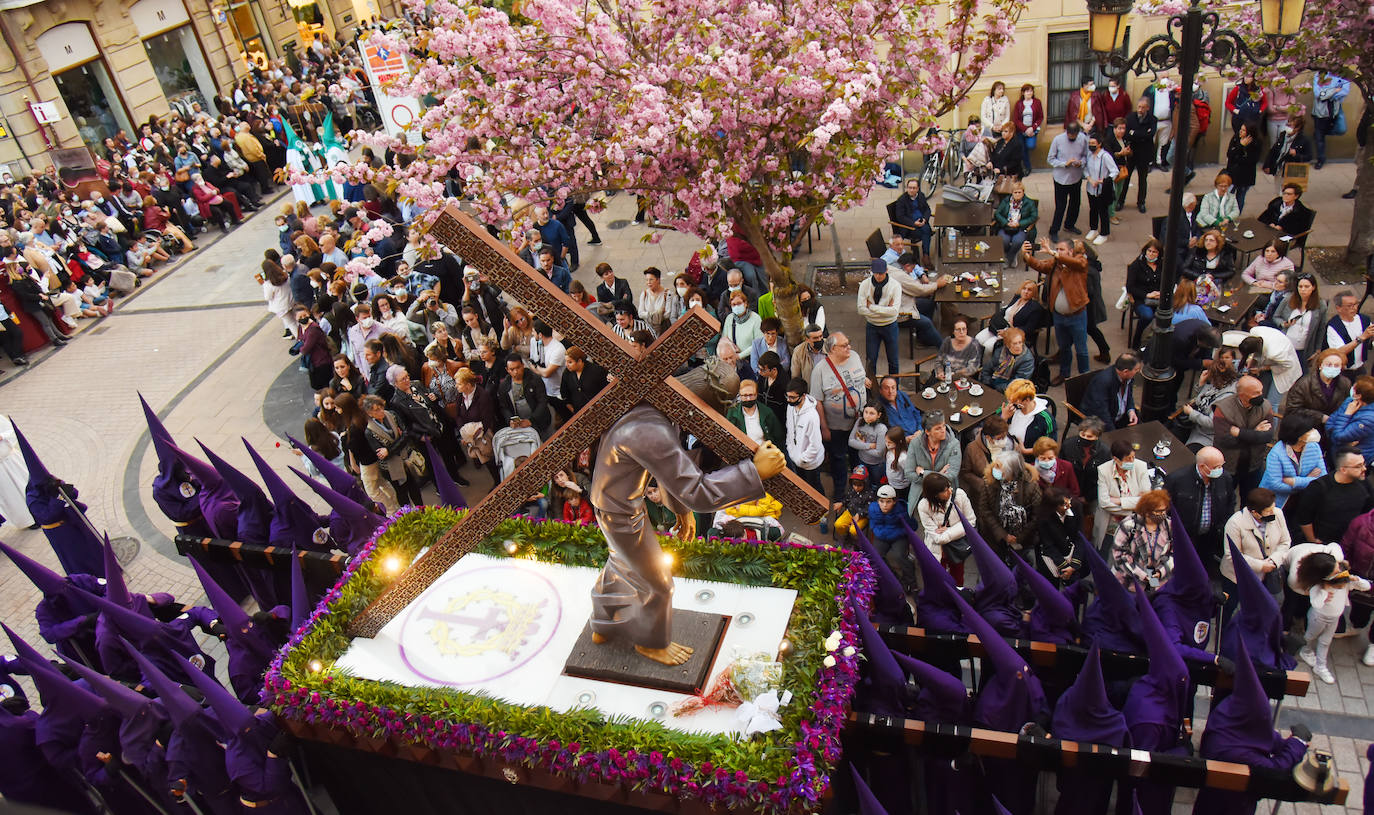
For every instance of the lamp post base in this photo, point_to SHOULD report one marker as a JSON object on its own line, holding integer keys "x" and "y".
{"x": 1159, "y": 394}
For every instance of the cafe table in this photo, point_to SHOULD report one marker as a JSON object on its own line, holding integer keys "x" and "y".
{"x": 959, "y": 399}
{"x": 1235, "y": 302}
{"x": 1143, "y": 438}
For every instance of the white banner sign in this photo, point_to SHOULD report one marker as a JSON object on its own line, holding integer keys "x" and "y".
{"x": 398, "y": 112}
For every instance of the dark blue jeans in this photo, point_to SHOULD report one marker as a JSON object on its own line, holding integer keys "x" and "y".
{"x": 837, "y": 456}
{"x": 926, "y": 333}
{"x": 876, "y": 335}
{"x": 1027, "y": 145}
{"x": 1072, "y": 329}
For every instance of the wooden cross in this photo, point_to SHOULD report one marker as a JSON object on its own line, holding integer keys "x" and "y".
{"x": 647, "y": 379}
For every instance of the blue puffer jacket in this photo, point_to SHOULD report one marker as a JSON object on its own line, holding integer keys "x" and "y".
{"x": 885, "y": 525}
{"x": 1358, "y": 428}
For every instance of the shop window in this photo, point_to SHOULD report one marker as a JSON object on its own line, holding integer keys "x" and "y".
{"x": 1070, "y": 60}
{"x": 92, "y": 101}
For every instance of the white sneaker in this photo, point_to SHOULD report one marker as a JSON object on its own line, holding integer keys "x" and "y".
{"x": 1324, "y": 674}
{"x": 1099, "y": 240}
{"x": 1308, "y": 655}
{"x": 1092, "y": 233}
{"x": 1369, "y": 656}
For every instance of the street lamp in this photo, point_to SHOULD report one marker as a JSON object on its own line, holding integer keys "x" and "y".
{"x": 1184, "y": 45}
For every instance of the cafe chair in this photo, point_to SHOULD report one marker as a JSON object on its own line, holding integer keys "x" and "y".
{"x": 1074, "y": 389}
{"x": 875, "y": 243}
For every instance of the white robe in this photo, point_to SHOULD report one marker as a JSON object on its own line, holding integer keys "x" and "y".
{"x": 14, "y": 478}
{"x": 299, "y": 162}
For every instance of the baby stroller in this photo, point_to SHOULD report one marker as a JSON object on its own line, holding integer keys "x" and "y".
{"x": 510, "y": 443}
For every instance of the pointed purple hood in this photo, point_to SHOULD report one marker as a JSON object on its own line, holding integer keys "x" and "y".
{"x": 62, "y": 698}
{"x": 449, "y": 494}
{"x": 130, "y": 623}
{"x": 232, "y": 715}
{"x": 180, "y": 708}
{"x": 350, "y": 524}
{"x": 942, "y": 698}
{"x": 126, "y": 701}
{"x": 218, "y": 504}
{"x": 294, "y": 523}
{"x": 243, "y": 632}
{"x": 38, "y": 473}
{"x": 173, "y": 480}
{"x": 868, "y": 802}
{"x": 162, "y": 440}
{"x": 883, "y": 689}
{"x": 889, "y": 601}
{"x": 936, "y": 609}
{"x": 996, "y": 595}
{"x": 1240, "y": 728}
{"x": 1083, "y": 712}
{"x": 340, "y": 480}
{"x": 1109, "y": 620}
{"x": 1160, "y": 696}
{"x": 1258, "y": 621}
{"x": 50, "y": 583}
{"x": 1053, "y": 619}
{"x": 1011, "y": 694}
{"x": 254, "y": 511}
{"x": 1187, "y": 598}
{"x": 301, "y": 607}
{"x": 116, "y": 590}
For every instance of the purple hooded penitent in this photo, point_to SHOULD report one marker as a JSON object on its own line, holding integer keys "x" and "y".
{"x": 1053, "y": 618}
{"x": 250, "y": 646}
{"x": 340, "y": 480}
{"x": 294, "y": 523}
{"x": 889, "y": 601}
{"x": 218, "y": 504}
{"x": 174, "y": 492}
{"x": 1186, "y": 604}
{"x": 996, "y": 595}
{"x": 1257, "y": 621}
{"x": 1011, "y": 694}
{"x": 1109, "y": 620}
{"x": 1083, "y": 712}
{"x": 942, "y": 699}
{"x": 72, "y": 537}
{"x": 1157, "y": 702}
{"x": 883, "y": 689}
{"x": 868, "y": 802}
{"x": 936, "y": 609}
{"x": 350, "y": 524}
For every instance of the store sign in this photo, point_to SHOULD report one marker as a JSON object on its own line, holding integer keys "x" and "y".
{"x": 45, "y": 112}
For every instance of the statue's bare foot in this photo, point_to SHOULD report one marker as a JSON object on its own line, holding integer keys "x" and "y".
{"x": 674, "y": 654}
{"x": 599, "y": 639}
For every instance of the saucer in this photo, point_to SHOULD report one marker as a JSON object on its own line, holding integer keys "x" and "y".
{"x": 943, "y": 387}
{"x": 928, "y": 393}
{"x": 975, "y": 390}
{"x": 1248, "y": 234}
{"x": 975, "y": 410}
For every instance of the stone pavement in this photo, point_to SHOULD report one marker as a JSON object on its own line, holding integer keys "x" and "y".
{"x": 198, "y": 343}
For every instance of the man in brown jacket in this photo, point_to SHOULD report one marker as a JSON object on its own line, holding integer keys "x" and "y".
{"x": 1243, "y": 426}
{"x": 251, "y": 150}
{"x": 1067, "y": 268}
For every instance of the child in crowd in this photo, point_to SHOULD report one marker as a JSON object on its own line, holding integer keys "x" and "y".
{"x": 662, "y": 518}
{"x": 854, "y": 508}
{"x": 888, "y": 533}
{"x": 1328, "y": 583}
{"x": 894, "y": 462}
{"x": 867, "y": 438}
{"x": 576, "y": 509}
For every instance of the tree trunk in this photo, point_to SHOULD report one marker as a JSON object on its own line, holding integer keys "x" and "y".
{"x": 1362, "y": 222}
{"x": 779, "y": 271}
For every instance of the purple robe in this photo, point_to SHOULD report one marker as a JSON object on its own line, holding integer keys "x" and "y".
{"x": 1110, "y": 621}
{"x": 1257, "y": 623}
{"x": 26, "y": 776}
{"x": 195, "y": 758}
{"x": 997, "y": 594}
{"x": 936, "y": 609}
{"x": 75, "y": 543}
{"x": 1186, "y": 604}
{"x": 1083, "y": 713}
{"x": 889, "y": 601}
{"x": 261, "y": 776}
{"x": 1053, "y": 618}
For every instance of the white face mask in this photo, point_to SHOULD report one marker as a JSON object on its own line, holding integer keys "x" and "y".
{"x": 1045, "y": 464}
{"x": 738, "y": 309}
{"x": 399, "y": 291}
{"x": 1331, "y": 372}
{"x": 997, "y": 473}
{"x": 365, "y": 323}
{"x": 695, "y": 304}
{"x": 735, "y": 288}
{"x": 681, "y": 291}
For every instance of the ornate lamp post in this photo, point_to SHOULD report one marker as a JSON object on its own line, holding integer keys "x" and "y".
{"x": 1191, "y": 38}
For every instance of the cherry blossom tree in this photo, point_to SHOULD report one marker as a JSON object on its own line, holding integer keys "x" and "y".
{"x": 756, "y": 115}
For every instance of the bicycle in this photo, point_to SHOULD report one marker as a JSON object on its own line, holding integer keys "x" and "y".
{"x": 944, "y": 167}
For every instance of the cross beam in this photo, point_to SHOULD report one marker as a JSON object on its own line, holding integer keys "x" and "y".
{"x": 636, "y": 380}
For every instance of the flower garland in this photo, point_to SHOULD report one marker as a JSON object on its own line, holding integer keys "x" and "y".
{"x": 783, "y": 770}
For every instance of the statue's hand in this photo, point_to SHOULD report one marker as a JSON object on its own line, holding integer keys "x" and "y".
{"x": 769, "y": 460}
{"x": 686, "y": 528}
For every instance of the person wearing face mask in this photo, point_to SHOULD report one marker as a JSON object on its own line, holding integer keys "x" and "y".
{"x": 1295, "y": 460}
{"x": 1353, "y": 421}
{"x": 1205, "y": 495}
{"x": 990, "y": 439}
{"x": 480, "y": 298}
{"x": 677, "y": 299}
{"x": 1293, "y": 146}
{"x": 809, "y": 352}
{"x": 1068, "y": 154}
{"x": 1260, "y": 532}
{"x": 1100, "y": 173}
{"x": 1057, "y": 530}
{"x": 314, "y": 349}
{"x": 366, "y": 328}
{"x": 1121, "y": 480}
{"x": 741, "y": 326}
{"x": 1006, "y": 504}
{"x": 1321, "y": 390}
{"x": 804, "y": 420}
{"x": 1143, "y": 547}
{"x": 1050, "y": 469}
{"x": 1110, "y": 103}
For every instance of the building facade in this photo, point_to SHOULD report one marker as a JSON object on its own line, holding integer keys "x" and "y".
{"x": 1051, "y": 53}
{"x": 78, "y": 71}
